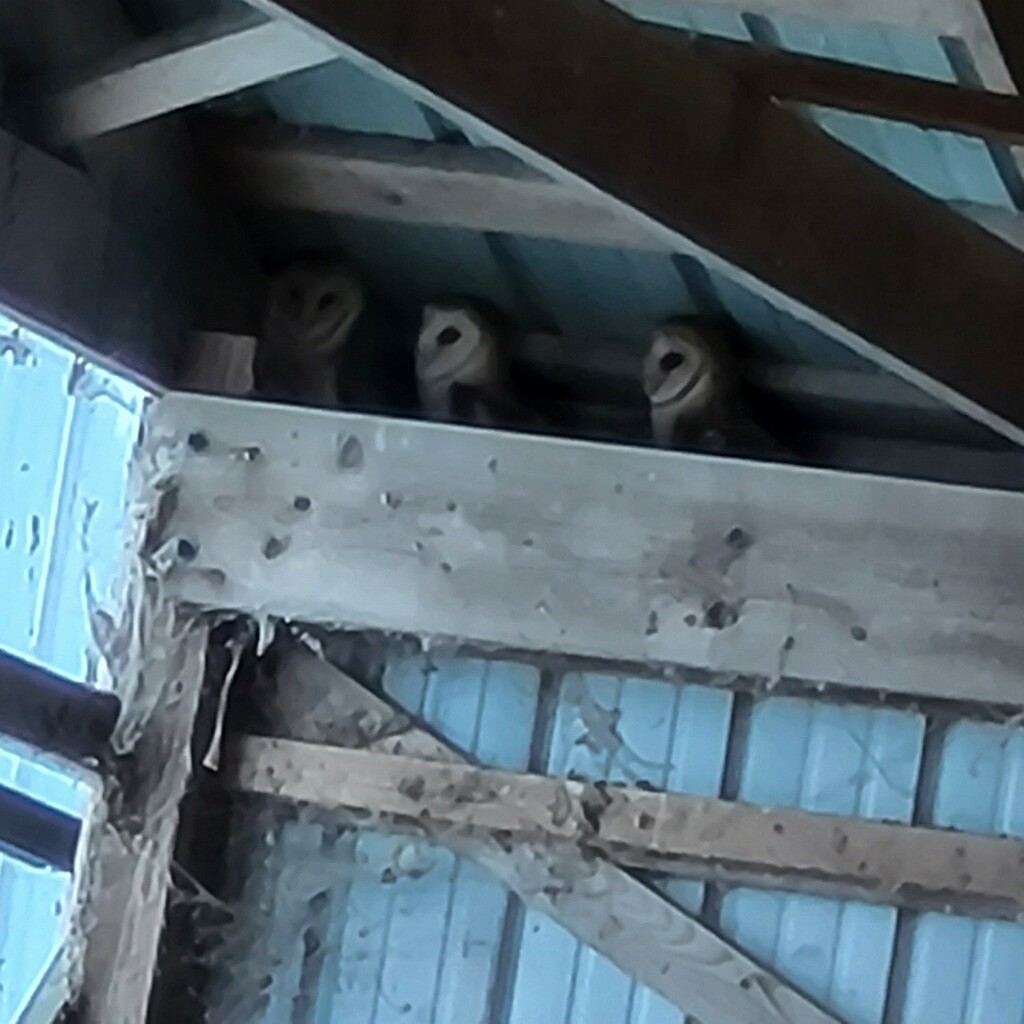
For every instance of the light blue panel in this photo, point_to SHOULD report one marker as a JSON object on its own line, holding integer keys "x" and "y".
{"x": 416, "y": 943}
{"x": 89, "y": 516}
{"x": 775, "y": 335}
{"x": 340, "y": 95}
{"x": 979, "y": 788}
{"x": 624, "y": 730}
{"x": 422, "y": 929}
{"x": 428, "y": 263}
{"x": 301, "y": 876}
{"x": 353, "y": 996}
{"x": 716, "y": 21}
{"x": 34, "y": 415}
{"x": 965, "y": 971}
{"x": 599, "y": 293}
{"x": 840, "y": 760}
{"x": 946, "y": 165}
{"x": 34, "y": 902}
{"x": 66, "y": 436}
{"x": 50, "y": 463}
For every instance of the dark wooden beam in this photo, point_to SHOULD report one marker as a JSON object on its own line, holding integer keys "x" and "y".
{"x": 842, "y": 86}
{"x": 587, "y": 93}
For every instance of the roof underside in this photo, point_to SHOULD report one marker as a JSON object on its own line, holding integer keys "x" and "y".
{"x": 595, "y": 294}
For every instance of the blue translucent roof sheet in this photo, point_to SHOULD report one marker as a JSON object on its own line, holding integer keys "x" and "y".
{"x": 66, "y": 432}
{"x": 970, "y": 972}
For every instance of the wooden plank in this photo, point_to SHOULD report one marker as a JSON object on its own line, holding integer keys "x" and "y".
{"x": 694, "y": 837}
{"x": 761, "y": 183}
{"x": 645, "y": 936}
{"x": 800, "y": 78}
{"x": 410, "y": 182}
{"x": 217, "y": 58}
{"x": 621, "y": 553}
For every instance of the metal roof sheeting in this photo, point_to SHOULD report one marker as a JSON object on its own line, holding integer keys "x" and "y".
{"x": 374, "y": 929}
{"x": 837, "y": 760}
{"x": 66, "y": 434}
{"x": 961, "y": 971}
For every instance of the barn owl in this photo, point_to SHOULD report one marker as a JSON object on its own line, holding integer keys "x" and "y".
{"x": 310, "y": 313}
{"x": 464, "y": 371}
{"x": 693, "y": 385}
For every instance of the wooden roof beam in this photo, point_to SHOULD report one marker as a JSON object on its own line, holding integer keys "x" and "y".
{"x": 214, "y": 58}
{"x": 702, "y": 838}
{"x": 410, "y": 182}
{"x": 927, "y": 103}
{"x": 751, "y": 189}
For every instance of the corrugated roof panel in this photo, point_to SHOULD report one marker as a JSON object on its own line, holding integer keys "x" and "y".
{"x": 964, "y": 971}
{"x": 946, "y": 165}
{"x": 88, "y": 520}
{"x": 66, "y": 433}
{"x": 601, "y": 293}
{"x": 340, "y": 95}
{"x": 626, "y": 730}
{"x": 841, "y": 760}
{"x": 34, "y": 902}
{"x": 34, "y": 420}
{"x": 711, "y": 20}
{"x": 422, "y": 930}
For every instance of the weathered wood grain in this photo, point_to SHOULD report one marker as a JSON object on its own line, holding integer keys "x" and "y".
{"x": 408, "y": 182}
{"x": 695, "y": 837}
{"x": 643, "y": 934}
{"x": 628, "y": 554}
{"x": 216, "y": 58}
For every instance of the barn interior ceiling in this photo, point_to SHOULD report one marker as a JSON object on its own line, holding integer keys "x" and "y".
{"x": 793, "y": 241}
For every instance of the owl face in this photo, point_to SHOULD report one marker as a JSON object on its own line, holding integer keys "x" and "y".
{"x": 312, "y": 309}
{"x": 681, "y": 370}
{"x": 456, "y": 345}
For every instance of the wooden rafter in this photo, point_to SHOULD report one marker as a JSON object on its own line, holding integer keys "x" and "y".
{"x": 828, "y": 83}
{"x": 215, "y": 58}
{"x": 732, "y": 178}
{"x": 409, "y": 182}
{"x": 695, "y": 837}
{"x": 647, "y": 937}
{"x": 621, "y": 553}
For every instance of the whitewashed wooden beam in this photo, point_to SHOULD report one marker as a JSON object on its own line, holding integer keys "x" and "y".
{"x": 695, "y": 837}
{"x": 607, "y": 551}
{"x": 214, "y": 59}
{"x": 408, "y": 182}
{"x": 647, "y": 937}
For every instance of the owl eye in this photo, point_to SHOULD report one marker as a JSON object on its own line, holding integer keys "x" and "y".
{"x": 672, "y": 361}
{"x": 449, "y": 336}
{"x": 325, "y": 301}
